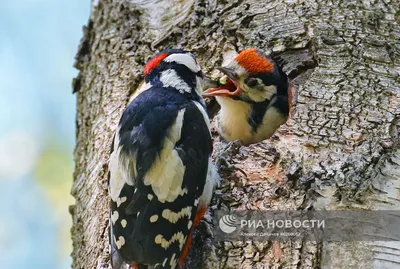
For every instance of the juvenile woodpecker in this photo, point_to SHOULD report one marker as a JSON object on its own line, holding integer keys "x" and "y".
{"x": 254, "y": 99}
{"x": 161, "y": 178}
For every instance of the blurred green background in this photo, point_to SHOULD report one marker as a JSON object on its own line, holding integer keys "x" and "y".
{"x": 38, "y": 42}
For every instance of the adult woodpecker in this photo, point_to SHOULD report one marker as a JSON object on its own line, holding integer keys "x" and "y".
{"x": 254, "y": 100}
{"x": 161, "y": 178}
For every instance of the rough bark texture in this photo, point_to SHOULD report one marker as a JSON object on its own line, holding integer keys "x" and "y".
{"x": 339, "y": 150}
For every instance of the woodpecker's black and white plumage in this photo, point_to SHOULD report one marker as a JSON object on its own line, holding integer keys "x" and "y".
{"x": 254, "y": 100}
{"x": 161, "y": 178}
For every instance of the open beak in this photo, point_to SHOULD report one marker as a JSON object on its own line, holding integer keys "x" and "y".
{"x": 229, "y": 72}
{"x": 230, "y": 88}
{"x": 210, "y": 83}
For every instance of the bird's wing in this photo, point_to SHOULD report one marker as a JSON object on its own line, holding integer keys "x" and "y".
{"x": 157, "y": 173}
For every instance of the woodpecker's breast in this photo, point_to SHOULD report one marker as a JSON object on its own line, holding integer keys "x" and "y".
{"x": 233, "y": 121}
{"x": 272, "y": 119}
{"x": 239, "y": 120}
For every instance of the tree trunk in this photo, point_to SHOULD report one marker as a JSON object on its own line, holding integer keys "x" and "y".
{"x": 339, "y": 149}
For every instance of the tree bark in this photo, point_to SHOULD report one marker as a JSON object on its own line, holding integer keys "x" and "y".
{"x": 339, "y": 149}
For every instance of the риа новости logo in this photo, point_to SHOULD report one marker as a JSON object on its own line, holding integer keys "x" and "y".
{"x": 228, "y": 223}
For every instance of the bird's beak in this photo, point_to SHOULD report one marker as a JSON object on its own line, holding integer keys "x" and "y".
{"x": 210, "y": 83}
{"x": 229, "y": 72}
{"x": 230, "y": 88}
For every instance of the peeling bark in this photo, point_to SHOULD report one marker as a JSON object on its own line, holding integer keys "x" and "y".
{"x": 339, "y": 149}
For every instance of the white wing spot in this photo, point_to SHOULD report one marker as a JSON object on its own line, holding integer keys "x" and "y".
{"x": 120, "y": 242}
{"x": 190, "y": 224}
{"x": 173, "y": 261}
{"x": 183, "y": 192}
{"x": 114, "y": 217}
{"x": 177, "y": 237}
{"x": 138, "y": 213}
{"x": 164, "y": 262}
{"x": 150, "y": 197}
{"x": 154, "y": 218}
{"x": 173, "y": 217}
{"x": 124, "y": 223}
{"x": 158, "y": 239}
{"x": 121, "y": 200}
{"x": 196, "y": 202}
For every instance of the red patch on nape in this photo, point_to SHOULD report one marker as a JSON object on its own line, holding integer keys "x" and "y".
{"x": 254, "y": 62}
{"x": 153, "y": 63}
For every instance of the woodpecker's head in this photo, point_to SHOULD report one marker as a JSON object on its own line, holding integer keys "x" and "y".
{"x": 177, "y": 70}
{"x": 251, "y": 77}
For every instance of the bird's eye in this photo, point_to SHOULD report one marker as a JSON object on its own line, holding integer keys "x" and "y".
{"x": 252, "y": 82}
